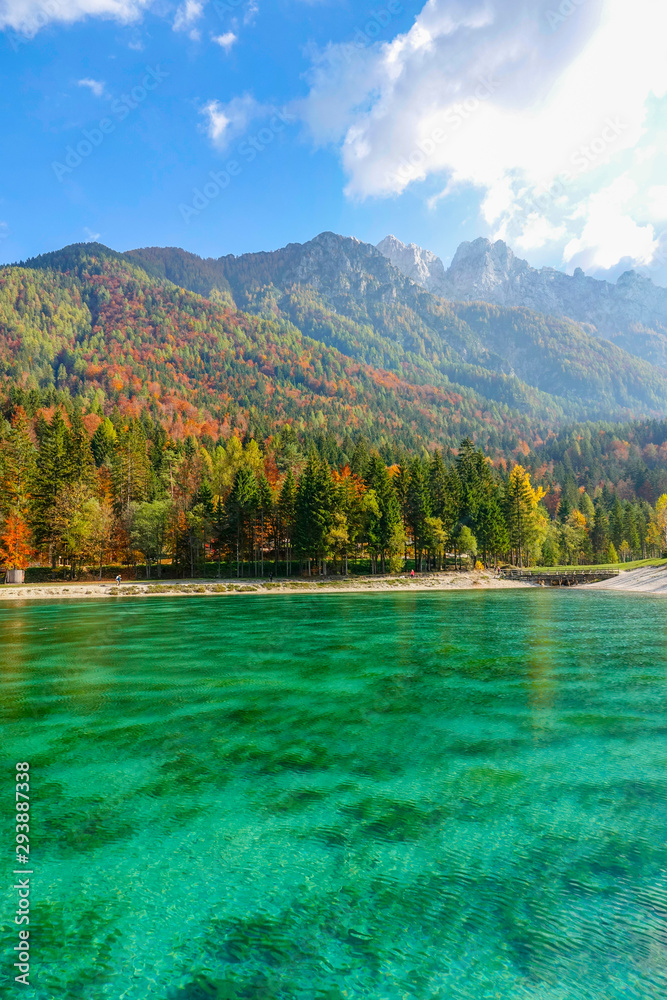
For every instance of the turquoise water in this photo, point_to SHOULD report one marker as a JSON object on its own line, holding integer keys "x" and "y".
{"x": 392, "y": 797}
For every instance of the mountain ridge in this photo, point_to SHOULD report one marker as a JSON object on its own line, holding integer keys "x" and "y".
{"x": 355, "y": 281}
{"x": 631, "y": 313}
{"x": 508, "y": 363}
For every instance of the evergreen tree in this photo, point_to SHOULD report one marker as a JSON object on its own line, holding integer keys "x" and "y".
{"x": 51, "y": 474}
{"x": 600, "y": 532}
{"x": 616, "y": 523}
{"x": 103, "y": 442}
{"x": 492, "y": 533}
{"x": 520, "y": 504}
{"x": 383, "y": 527}
{"x": 241, "y": 507}
{"x": 313, "y": 511}
{"x": 18, "y": 466}
{"x": 80, "y": 461}
{"x": 418, "y": 509}
{"x": 286, "y": 517}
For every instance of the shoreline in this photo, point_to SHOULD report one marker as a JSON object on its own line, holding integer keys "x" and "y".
{"x": 473, "y": 580}
{"x": 645, "y": 580}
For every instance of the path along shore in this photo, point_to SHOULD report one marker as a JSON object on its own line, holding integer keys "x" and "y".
{"x": 477, "y": 580}
{"x": 646, "y": 580}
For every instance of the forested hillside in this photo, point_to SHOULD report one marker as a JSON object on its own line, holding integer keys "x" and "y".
{"x": 107, "y": 331}
{"x": 346, "y": 293}
{"x": 317, "y": 427}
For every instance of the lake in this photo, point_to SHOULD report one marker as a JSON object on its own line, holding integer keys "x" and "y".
{"x": 407, "y": 796}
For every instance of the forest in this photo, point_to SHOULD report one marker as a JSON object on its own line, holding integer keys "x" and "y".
{"x": 143, "y": 425}
{"x": 80, "y": 490}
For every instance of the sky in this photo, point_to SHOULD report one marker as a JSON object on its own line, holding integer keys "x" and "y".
{"x": 229, "y": 126}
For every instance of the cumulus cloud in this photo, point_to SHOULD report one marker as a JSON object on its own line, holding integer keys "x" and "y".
{"x": 609, "y": 233}
{"x": 28, "y": 16}
{"x": 225, "y": 41}
{"x": 96, "y": 86}
{"x": 503, "y": 96}
{"x": 225, "y": 122}
{"x": 187, "y": 15}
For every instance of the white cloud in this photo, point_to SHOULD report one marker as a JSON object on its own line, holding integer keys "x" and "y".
{"x": 658, "y": 202}
{"x": 609, "y": 234}
{"x": 251, "y": 12}
{"x": 225, "y": 41}
{"x": 91, "y": 236}
{"x": 96, "y": 86}
{"x": 224, "y": 122}
{"x": 492, "y": 94}
{"x": 4, "y": 231}
{"x": 538, "y": 231}
{"x": 187, "y": 15}
{"x": 28, "y": 16}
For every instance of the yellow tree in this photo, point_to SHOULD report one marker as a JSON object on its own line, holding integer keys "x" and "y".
{"x": 661, "y": 519}
{"x": 654, "y": 538}
{"x": 524, "y": 519}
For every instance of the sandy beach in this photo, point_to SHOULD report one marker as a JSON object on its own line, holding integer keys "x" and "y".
{"x": 477, "y": 580}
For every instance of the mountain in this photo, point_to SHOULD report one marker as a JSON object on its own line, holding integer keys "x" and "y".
{"x": 632, "y": 313}
{"x": 349, "y": 295}
{"x": 327, "y": 337}
{"x": 90, "y": 324}
{"x": 415, "y": 263}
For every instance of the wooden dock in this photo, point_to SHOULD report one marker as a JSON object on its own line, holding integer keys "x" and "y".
{"x": 560, "y": 578}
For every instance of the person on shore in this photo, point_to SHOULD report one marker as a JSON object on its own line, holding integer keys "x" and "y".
{"x": 118, "y": 579}
{"x": 412, "y": 574}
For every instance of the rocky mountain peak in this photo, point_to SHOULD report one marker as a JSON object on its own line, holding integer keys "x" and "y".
{"x": 421, "y": 266}
{"x": 490, "y": 272}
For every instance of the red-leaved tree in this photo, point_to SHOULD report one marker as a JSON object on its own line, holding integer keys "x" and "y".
{"x": 15, "y": 548}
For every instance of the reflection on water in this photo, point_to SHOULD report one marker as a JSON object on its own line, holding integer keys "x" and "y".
{"x": 388, "y": 797}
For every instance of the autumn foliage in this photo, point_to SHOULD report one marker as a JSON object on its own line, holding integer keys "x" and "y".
{"x": 16, "y": 549}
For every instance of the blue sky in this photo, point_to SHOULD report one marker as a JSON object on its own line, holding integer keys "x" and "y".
{"x": 225, "y": 126}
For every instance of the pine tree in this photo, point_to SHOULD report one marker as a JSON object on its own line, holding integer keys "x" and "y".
{"x": 265, "y": 508}
{"x": 383, "y": 527}
{"x": 18, "y": 465}
{"x": 492, "y": 533}
{"x": 103, "y": 442}
{"x": 445, "y": 492}
{"x": 286, "y": 517}
{"x": 130, "y": 467}
{"x": 616, "y": 525}
{"x": 418, "y": 509}
{"x": 80, "y": 462}
{"x": 520, "y": 503}
{"x": 241, "y": 508}
{"x": 51, "y": 474}
{"x": 600, "y": 532}
{"x": 313, "y": 511}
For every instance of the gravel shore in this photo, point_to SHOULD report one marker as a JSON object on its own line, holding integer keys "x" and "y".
{"x": 478, "y": 580}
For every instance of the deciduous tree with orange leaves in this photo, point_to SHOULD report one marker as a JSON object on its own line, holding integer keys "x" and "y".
{"x": 15, "y": 548}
